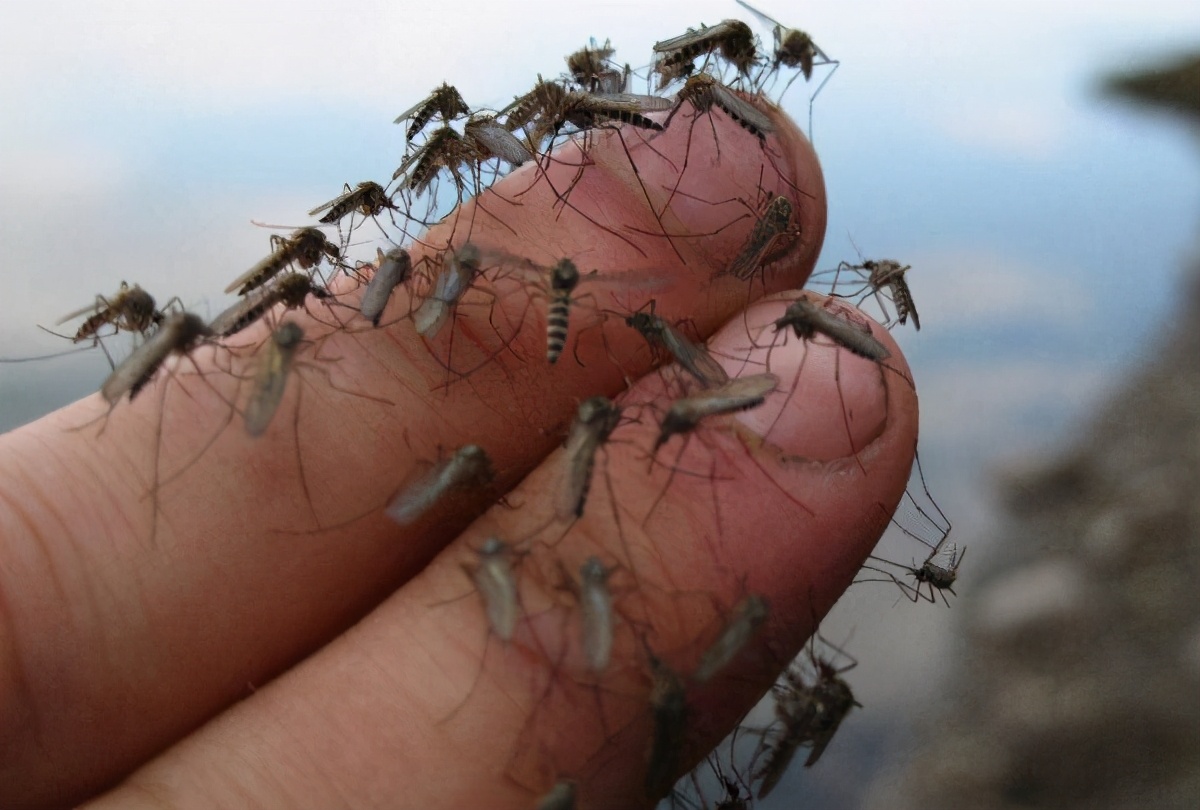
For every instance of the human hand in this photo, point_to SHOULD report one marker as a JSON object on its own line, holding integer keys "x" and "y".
{"x": 328, "y": 649}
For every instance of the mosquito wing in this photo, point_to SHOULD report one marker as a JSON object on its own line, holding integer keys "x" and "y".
{"x": 630, "y": 101}
{"x": 693, "y": 357}
{"x": 335, "y": 201}
{"x": 762, "y": 17}
{"x": 847, "y": 334}
{"x": 88, "y": 310}
{"x": 741, "y": 110}
{"x": 703, "y": 35}
{"x": 499, "y": 141}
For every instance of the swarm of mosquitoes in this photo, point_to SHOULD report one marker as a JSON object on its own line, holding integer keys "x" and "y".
{"x": 713, "y": 68}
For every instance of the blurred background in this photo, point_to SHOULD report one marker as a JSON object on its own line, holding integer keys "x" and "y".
{"x": 1051, "y": 228}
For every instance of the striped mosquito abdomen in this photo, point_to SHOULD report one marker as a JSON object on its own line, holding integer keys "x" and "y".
{"x": 563, "y": 278}
{"x": 291, "y": 290}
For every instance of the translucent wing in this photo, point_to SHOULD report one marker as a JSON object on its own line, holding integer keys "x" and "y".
{"x": 335, "y": 201}
{"x": 693, "y": 357}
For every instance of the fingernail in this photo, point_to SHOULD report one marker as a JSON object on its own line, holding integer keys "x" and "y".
{"x": 829, "y": 404}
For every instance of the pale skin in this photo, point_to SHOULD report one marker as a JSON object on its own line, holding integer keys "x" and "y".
{"x": 271, "y": 643}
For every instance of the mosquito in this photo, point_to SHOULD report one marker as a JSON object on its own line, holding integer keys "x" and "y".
{"x": 132, "y": 309}
{"x": 773, "y": 235}
{"x": 704, "y": 91}
{"x": 559, "y": 797}
{"x": 732, "y": 38}
{"x": 595, "y": 421}
{"x": 691, "y": 356}
{"x": 493, "y": 578}
{"x": 271, "y": 380}
{"x": 458, "y": 271}
{"x": 739, "y": 394}
{"x": 669, "y": 703}
{"x": 810, "y": 714}
{"x": 796, "y": 49}
{"x": 939, "y": 571}
{"x": 806, "y": 318}
{"x": 306, "y": 247}
{"x": 178, "y": 334}
{"x": 596, "y": 613}
{"x": 591, "y": 71}
{"x": 748, "y": 616}
{"x": 548, "y": 107}
{"x": 291, "y": 290}
{"x": 445, "y": 101}
{"x": 368, "y": 198}
{"x": 885, "y": 278}
{"x": 793, "y": 47}
{"x": 489, "y": 139}
{"x": 445, "y": 149}
{"x": 468, "y": 468}
{"x": 391, "y": 270}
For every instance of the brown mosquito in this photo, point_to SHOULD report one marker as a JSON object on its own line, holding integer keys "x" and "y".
{"x": 445, "y": 149}
{"x": 809, "y": 710}
{"x": 595, "y": 421}
{"x": 796, "y": 49}
{"x": 592, "y": 71}
{"x": 132, "y": 309}
{"x": 459, "y": 269}
{"x": 178, "y": 334}
{"x": 444, "y": 101}
{"x": 691, "y": 356}
{"x": 807, "y": 318}
{"x": 739, "y": 394}
{"x": 704, "y": 91}
{"x": 773, "y": 235}
{"x": 882, "y": 278}
{"x": 391, "y": 270}
{"x": 367, "y": 198}
{"x": 306, "y": 247}
{"x": 793, "y": 47}
{"x": 489, "y": 139}
{"x": 291, "y": 290}
{"x": 733, "y": 39}
{"x": 469, "y": 468}
{"x": 549, "y": 107}
{"x": 748, "y": 615}
{"x": 668, "y": 700}
{"x": 271, "y": 379}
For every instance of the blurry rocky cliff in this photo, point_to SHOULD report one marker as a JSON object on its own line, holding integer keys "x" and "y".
{"x": 1083, "y": 684}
